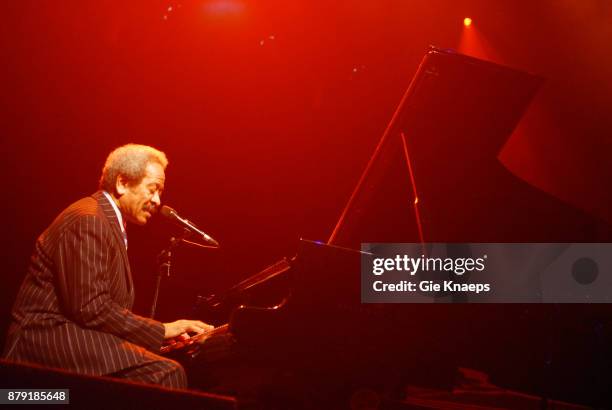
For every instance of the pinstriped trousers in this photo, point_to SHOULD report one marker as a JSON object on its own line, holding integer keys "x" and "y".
{"x": 157, "y": 370}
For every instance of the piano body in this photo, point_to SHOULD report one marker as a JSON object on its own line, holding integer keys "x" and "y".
{"x": 434, "y": 177}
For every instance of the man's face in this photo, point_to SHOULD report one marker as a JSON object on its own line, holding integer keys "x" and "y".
{"x": 139, "y": 202}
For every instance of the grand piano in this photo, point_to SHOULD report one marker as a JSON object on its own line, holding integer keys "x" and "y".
{"x": 299, "y": 329}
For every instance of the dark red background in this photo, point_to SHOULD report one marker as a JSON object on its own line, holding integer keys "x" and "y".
{"x": 268, "y": 112}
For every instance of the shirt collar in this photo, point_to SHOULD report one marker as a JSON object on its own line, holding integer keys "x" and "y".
{"x": 117, "y": 211}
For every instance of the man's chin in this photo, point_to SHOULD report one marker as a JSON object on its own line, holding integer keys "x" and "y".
{"x": 141, "y": 220}
{"x": 145, "y": 218}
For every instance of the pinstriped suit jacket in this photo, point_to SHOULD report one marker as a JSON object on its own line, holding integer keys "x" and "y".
{"x": 73, "y": 310}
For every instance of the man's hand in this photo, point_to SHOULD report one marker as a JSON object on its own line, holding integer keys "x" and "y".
{"x": 179, "y": 327}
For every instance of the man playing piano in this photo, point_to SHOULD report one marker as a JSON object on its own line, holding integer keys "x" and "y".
{"x": 73, "y": 310}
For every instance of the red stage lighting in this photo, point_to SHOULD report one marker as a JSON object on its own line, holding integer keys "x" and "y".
{"x": 467, "y": 22}
{"x": 224, "y": 7}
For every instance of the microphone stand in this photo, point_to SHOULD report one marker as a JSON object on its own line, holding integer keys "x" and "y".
{"x": 165, "y": 263}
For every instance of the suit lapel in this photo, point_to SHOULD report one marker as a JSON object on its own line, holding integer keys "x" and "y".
{"x": 109, "y": 213}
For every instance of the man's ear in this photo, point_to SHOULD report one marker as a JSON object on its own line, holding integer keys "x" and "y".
{"x": 121, "y": 186}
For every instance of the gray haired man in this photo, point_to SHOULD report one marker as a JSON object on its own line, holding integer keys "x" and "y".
{"x": 74, "y": 308}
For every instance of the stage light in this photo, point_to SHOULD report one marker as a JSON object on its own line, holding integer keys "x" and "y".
{"x": 467, "y": 22}
{"x": 224, "y": 7}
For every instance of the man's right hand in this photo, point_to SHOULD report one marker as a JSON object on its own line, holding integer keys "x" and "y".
{"x": 179, "y": 327}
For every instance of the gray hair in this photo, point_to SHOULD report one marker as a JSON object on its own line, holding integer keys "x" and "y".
{"x": 130, "y": 161}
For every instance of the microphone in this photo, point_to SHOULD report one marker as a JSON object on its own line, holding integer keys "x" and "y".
{"x": 185, "y": 223}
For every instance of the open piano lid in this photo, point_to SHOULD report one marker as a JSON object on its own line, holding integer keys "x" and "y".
{"x": 441, "y": 147}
